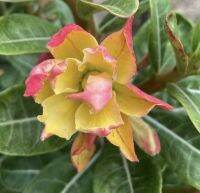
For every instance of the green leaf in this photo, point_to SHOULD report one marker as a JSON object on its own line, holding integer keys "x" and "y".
{"x": 58, "y": 12}
{"x": 187, "y": 93}
{"x": 111, "y": 23}
{"x": 61, "y": 177}
{"x": 140, "y": 41}
{"x": 194, "y": 60}
{"x": 114, "y": 174}
{"x": 155, "y": 39}
{"x": 23, "y": 63}
{"x": 180, "y": 143}
{"x": 120, "y": 8}
{"x": 20, "y": 130}
{"x": 196, "y": 37}
{"x": 9, "y": 76}
{"x": 168, "y": 60}
{"x": 23, "y": 34}
{"x": 17, "y": 172}
{"x": 171, "y": 30}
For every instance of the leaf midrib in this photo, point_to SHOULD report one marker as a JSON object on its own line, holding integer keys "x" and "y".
{"x": 165, "y": 129}
{"x": 24, "y": 40}
{"x": 12, "y": 122}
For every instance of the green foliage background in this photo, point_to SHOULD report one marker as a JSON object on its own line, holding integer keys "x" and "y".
{"x": 167, "y": 47}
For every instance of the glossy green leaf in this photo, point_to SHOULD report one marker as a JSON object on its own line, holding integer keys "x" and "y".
{"x": 20, "y": 130}
{"x": 111, "y": 23}
{"x": 171, "y": 30}
{"x": 120, "y": 8}
{"x": 58, "y": 12}
{"x": 30, "y": 34}
{"x": 23, "y": 63}
{"x": 61, "y": 177}
{"x": 155, "y": 39}
{"x": 187, "y": 92}
{"x": 140, "y": 41}
{"x": 180, "y": 143}
{"x": 17, "y": 172}
{"x": 196, "y": 37}
{"x": 168, "y": 60}
{"x": 194, "y": 60}
{"x": 9, "y": 76}
{"x": 114, "y": 174}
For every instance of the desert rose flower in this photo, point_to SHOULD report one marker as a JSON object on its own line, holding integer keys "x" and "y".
{"x": 86, "y": 87}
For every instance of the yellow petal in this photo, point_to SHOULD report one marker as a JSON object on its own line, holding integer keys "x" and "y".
{"x": 98, "y": 59}
{"x": 69, "y": 80}
{"x": 81, "y": 152}
{"x": 101, "y": 122}
{"x": 44, "y": 93}
{"x": 119, "y": 45}
{"x": 70, "y": 41}
{"x": 130, "y": 103}
{"x": 59, "y": 115}
{"x": 123, "y": 138}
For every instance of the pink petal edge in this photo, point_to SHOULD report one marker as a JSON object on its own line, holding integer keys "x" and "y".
{"x": 88, "y": 142}
{"x": 103, "y": 51}
{"x": 149, "y": 98}
{"x": 60, "y": 36}
{"x": 43, "y": 71}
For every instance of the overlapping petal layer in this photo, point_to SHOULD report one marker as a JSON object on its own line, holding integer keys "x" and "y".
{"x": 98, "y": 59}
{"x": 133, "y": 101}
{"x": 59, "y": 115}
{"x": 70, "y": 80}
{"x": 70, "y": 41}
{"x": 119, "y": 45}
{"x": 38, "y": 81}
{"x": 97, "y": 92}
{"x": 100, "y": 123}
{"x": 123, "y": 138}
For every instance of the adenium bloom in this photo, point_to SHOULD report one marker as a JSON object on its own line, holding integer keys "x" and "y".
{"x": 85, "y": 87}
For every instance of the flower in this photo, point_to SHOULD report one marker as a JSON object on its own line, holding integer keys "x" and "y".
{"x": 85, "y": 87}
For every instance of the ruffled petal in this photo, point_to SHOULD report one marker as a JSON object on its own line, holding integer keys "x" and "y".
{"x": 37, "y": 83}
{"x": 100, "y": 123}
{"x": 119, "y": 45}
{"x": 69, "y": 80}
{"x": 82, "y": 150}
{"x": 97, "y": 92}
{"x": 145, "y": 137}
{"x": 70, "y": 41}
{"x": 59, "y": 115}
{"x": 123, "y": 138}
{"x": 133, "y": 101}
{"x": 44, "y": 93}
{"x": 98, "y": 59}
